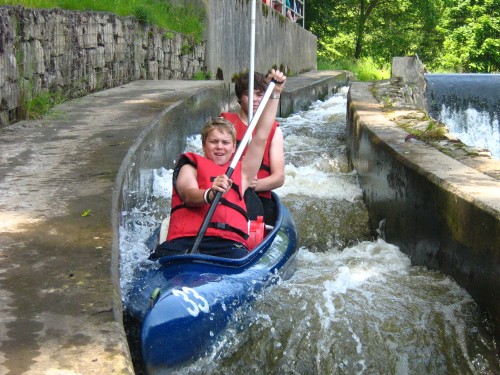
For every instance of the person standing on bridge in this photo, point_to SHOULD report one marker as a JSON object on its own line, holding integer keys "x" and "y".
{"x": 271, "y": 173}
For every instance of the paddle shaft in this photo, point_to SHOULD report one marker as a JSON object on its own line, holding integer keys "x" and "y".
{"x": 252, "y": 62}
{"x": 232, "y": 166}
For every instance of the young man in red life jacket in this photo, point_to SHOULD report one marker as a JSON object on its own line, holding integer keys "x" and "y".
{"x": 198, "y": 178}
{"x": 271, "y": 173}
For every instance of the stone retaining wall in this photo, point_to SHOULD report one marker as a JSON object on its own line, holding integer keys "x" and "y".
{"x": 76, "y": 53}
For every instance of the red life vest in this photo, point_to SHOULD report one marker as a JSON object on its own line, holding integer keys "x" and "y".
{"x": 229, "y": 221}
{"x": 241, "y": 128}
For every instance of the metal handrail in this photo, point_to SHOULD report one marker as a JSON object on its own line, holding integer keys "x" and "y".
{"x": 297, "y": 9}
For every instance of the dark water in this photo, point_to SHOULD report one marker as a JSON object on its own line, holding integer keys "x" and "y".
{"x": 462, "y": 91}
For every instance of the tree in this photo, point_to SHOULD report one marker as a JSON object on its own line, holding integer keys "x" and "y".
{"x": 365, "y": 9}
{"x": 471, "y": 31}
{"x": 379, "y": 29}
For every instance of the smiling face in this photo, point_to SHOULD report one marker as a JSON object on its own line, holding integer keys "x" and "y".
{"x": 219, "y": 146}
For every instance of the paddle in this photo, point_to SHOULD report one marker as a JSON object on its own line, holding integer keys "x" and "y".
{"x": 234, "y": 161}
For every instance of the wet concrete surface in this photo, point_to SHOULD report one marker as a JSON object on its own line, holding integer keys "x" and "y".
{"x": 57, "y": 177}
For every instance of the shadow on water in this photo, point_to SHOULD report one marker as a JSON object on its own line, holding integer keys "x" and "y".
{"x": 462, "y": 91}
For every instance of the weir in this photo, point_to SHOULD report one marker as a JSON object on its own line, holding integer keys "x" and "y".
{"x": 469, "y": 104}
{"x": 462, "y": 91}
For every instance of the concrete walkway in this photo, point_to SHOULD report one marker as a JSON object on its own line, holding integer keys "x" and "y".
{"x": 56, "y": 292}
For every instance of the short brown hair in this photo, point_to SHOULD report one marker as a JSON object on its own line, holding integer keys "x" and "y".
{"x": 243, "y": 81}
{"x": 219, "y": 123}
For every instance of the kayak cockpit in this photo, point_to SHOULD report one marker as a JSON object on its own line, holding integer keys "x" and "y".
{"x": 254, "y": 212}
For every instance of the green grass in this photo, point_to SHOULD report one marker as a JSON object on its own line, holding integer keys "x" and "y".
{"x": 37, "y": 105}
{"x": 364, "y": 69}
{"x": 434, "y": 131}
{"x": 203, "y": 76}
{"x": 186, "y": 20}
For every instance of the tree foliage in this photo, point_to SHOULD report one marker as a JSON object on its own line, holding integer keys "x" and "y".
{"x": 458, "y": 35}
{"x": 471, "y": 32}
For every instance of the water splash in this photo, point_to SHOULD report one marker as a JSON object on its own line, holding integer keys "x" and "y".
{"x": 474, "y": 128}
{"x": 363, "y": 310}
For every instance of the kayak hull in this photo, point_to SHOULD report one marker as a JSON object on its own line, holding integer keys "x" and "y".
{"x": 184, "y": 302}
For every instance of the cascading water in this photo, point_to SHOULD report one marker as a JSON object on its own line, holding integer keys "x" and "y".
{"x": 469, "y": 104}
{"x": 355, "y": 305}
{"x": 473, "y": 127}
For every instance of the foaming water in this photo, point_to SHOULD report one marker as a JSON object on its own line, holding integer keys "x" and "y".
{"x": 139, "y": 224}
{"x": 362, "y": 310}
{"x": 474, "y": 128}
{"x": 354, "y": 305}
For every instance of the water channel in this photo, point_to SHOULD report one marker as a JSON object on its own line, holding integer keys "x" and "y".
{"x": 355, "y": 305}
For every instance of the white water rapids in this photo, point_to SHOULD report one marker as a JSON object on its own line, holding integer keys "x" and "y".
{"x": 354, "y": 305}
{"x": 475, "y": 128}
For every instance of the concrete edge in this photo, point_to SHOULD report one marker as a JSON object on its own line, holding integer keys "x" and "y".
{"x": 426, "y": 159}
{"x": 442, "y": 213}
{"x": 312, "y": 86}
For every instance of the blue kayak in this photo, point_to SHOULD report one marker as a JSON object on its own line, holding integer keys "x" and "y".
{"x": 184, "y": 302}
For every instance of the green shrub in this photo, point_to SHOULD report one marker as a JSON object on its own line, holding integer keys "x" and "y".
{"x": 142, "y": 15}
{"x": 203, "y": 76}
{"x": 35, "y": 105}
{"x": 364, "y": 69}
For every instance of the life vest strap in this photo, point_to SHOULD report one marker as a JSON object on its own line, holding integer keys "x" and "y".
{"x": 235, "y": 207}
{"x": 224, "y": 226}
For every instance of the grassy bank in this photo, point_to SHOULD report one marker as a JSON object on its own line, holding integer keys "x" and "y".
{"x": 186, "y": 20}
{"x": 364, "y": 69}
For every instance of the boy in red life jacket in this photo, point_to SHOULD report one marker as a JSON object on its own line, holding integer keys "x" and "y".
{"x": 271, "y": 173}
{"x": 197, "y": 178}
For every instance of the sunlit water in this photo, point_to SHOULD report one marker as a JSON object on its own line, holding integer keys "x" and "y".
{"x": 355, "y": 305}
{"x": 474, "y": 128}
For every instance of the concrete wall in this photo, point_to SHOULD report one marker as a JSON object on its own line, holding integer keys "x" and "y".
{"x": 411, "y": 71}
{"x": 440, "y": 212}
{"x": 278, "y": 41}
{"x": 309, "y": 87}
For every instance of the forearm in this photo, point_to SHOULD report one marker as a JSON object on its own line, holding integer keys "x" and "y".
{"x": 270, "y": 182}
{"x": 255, "y": 150}
{"x": 193, "y": 197}
{"x": 268, "y": 116}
